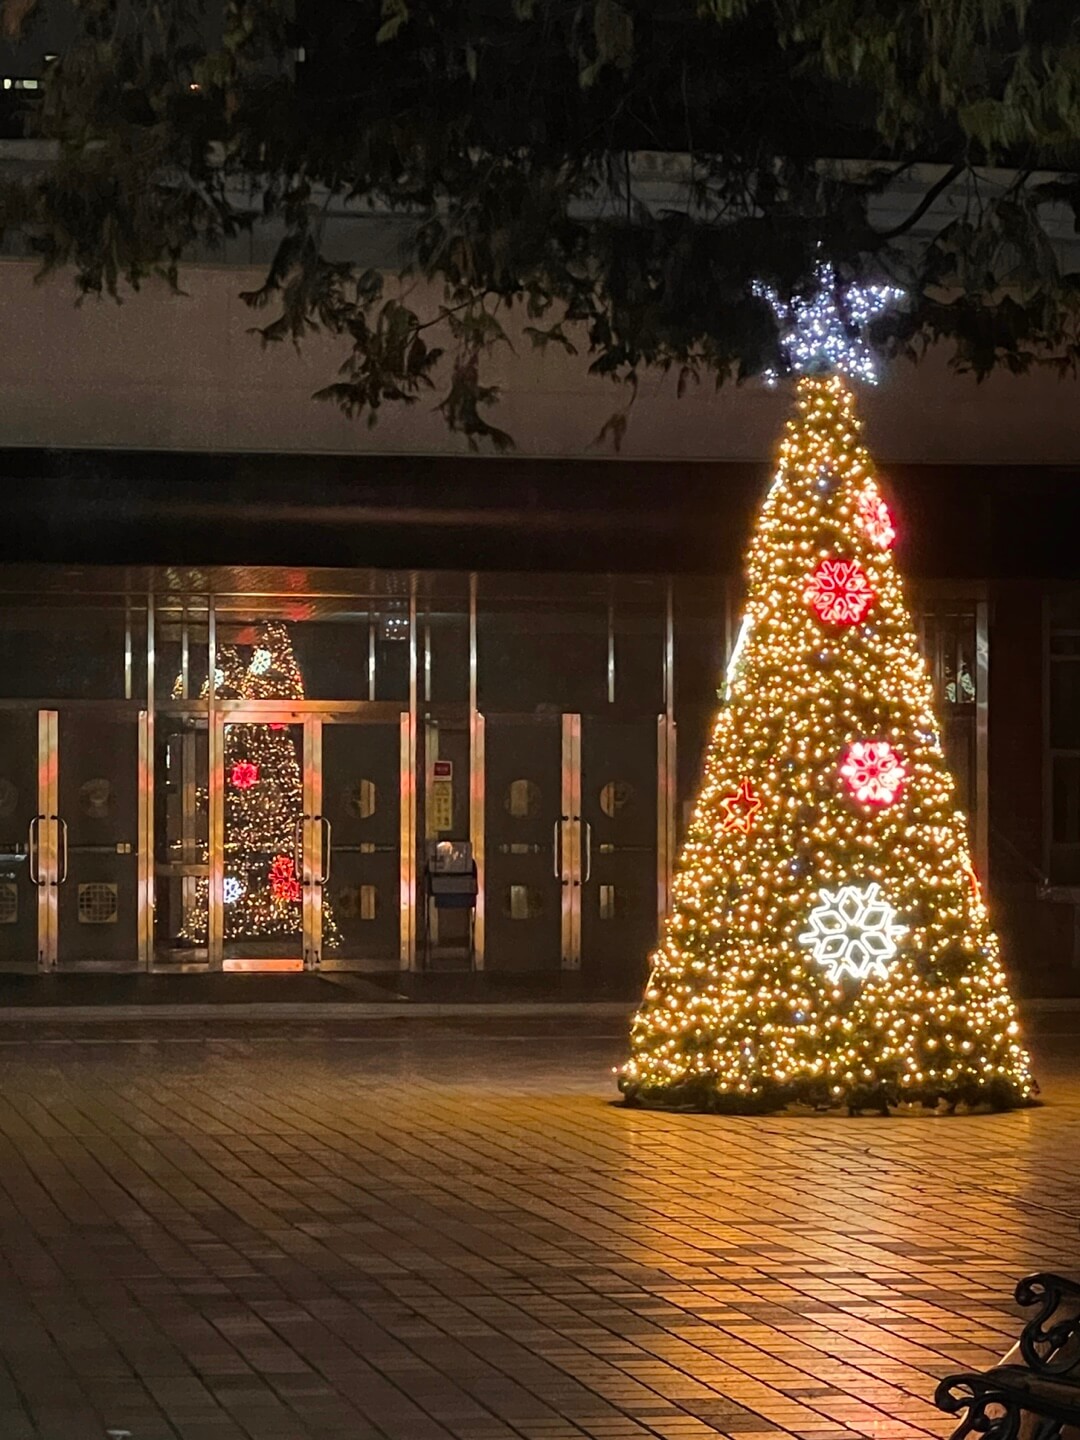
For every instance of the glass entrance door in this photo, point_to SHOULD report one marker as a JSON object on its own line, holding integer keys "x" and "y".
{"x": 73, "y": 837}
{"x": 264, "y": 846}
{"x": 23, "y": 911}
{"x": 181, "y": 841}
{"x": 306, "y": 840}
{"x": 578, "y": 815}
{"x": 97, "y": 838}
{"x": 366, "y": 881}
{"x": 530, "y": 843}
{"x": 624, "y": 878}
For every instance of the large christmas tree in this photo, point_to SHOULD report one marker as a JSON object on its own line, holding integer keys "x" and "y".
{"x": 828, "y": 941}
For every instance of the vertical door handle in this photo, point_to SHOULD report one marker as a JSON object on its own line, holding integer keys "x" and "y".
{"x": 298, "y": 845}
{"x": 327, "y": 842}
{"x": 33, "y": 852}
{"x": 556, "y": 846}
{"x": 588, "y": 851}
{"x": 63, "y": 850}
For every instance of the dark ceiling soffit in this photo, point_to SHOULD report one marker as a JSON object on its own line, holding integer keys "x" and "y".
{"x": 110, "y": 507}
{"x": 481, "y": 476}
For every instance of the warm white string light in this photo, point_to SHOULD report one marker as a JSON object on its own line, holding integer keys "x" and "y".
{"x": 738, "y": 1013}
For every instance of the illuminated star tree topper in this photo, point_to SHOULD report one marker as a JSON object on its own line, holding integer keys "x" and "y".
{"x": 822, "y": 332}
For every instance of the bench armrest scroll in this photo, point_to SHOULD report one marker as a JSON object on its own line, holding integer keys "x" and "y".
{"x": 1050, "y": 1341}
{"x": 995, "y": 1409}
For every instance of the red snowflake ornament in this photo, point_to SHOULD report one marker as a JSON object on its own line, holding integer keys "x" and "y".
{"x": 739, "y": 808}
{"x": 283, "y": 882}
{"x": 839, "y": 592}
{"x": 244, "y": 774}
{"x": 873, "y": 518}
{"x": 874, "y": 771}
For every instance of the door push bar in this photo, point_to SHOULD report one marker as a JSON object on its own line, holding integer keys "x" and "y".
{"x": 33, "y": 853}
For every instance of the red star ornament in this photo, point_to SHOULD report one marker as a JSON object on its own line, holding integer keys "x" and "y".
{"x": 839, "y": 592}
{"x": 740, "y": 807}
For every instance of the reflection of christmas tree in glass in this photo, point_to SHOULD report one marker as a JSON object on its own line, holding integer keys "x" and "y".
{"x": 828, "y": 941}
{"x": 228, "y": 677}
{"x": 263, "y": 803}
{"x": 228, "y": 685}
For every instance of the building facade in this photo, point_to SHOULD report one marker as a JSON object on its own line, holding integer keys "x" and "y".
{"x": 554, "y": 723}
{"x": 521, "y": 654}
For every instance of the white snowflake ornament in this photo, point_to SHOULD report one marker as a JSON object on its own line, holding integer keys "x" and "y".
{"x": 853, "y": 931}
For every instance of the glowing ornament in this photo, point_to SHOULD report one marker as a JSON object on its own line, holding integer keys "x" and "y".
{"x": 839, "y": 592}
{"x": 853, "y": 931}
{"x": 244, "y": 774}
{"x": 821, "y": 332}
{"x": 219, "y": 677}
{"x": 873, "y": 518}
{"x": 283, "y": 882}
{"x": 874, "y": 771}
{"x": 260, "y": 661}
{"x": 740, "y": 808}
{"x": 233, "y": 890}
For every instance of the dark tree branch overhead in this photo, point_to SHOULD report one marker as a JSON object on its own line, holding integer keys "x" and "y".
{"x": 506, "y": 138}
{"x": 931, "y": 194}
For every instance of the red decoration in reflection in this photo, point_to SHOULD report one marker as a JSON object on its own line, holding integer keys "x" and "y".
{"x": 874, "y": 771}
{"x": 740, "y": 808}
{"x": 839, "y": 592}
{"x": 973, "y": 882}
{"x": 873, "y": 518}
{"x": 244, "y": 774}
{"x": 277, "y": 725}
{"x": 283, "y": 882}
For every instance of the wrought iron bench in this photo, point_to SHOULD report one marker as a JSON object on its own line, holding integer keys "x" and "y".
{"x": 1034, "y": 1394}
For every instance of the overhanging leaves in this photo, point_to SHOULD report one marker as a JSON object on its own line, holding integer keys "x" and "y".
{"x": 619, "y": 170}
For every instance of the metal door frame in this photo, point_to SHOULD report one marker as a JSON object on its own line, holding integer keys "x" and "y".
{"x": 568, "y": 842}
{"x": 313, "y": 874}
{"x": 47, "y": 847}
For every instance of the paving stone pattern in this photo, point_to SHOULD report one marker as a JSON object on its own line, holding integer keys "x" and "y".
{"x": 430, "y": 1231}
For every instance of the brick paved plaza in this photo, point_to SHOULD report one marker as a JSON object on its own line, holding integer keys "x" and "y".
{"x": 430, "y": 1230}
